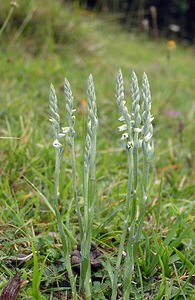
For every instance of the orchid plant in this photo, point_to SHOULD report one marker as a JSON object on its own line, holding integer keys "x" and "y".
{"x": 137, "y": 132}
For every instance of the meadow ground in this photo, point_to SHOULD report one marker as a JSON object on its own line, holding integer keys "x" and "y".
{"x": 90, "y": 44}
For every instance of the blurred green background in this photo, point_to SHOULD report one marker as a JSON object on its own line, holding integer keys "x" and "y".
{"x": 42, "y": 41}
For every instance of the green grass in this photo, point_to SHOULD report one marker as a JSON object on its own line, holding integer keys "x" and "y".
{"x": 89, "y": 44}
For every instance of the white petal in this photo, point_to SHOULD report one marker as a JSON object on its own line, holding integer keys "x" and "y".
{"x": 147, "y": 137}
{"x": 121, "y": 119}
{"x": 137, "y": 130}
{"x": 124, "y": 136}
{"x": 122, "y": 127}
{"x": 129, "y": 145}
{"x": 151, "y": 119}
{"x": 65, "y": 130}
{"x": 61, "y": 135}
{"x": 57, "y": 144}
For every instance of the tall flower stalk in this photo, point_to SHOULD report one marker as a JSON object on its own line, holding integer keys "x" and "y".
{"x": 128, "y": 136}
{"x": 147, "y": 148}
{"x": 89, "y": 187}
{"x": 130, "y": 249}
{"x": 135, "y": 108}
{"x": 138, "y": 135}
{"x": 55, "y": 119}
{"x": 70, "y": 139}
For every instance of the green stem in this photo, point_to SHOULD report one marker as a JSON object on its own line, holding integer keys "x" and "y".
{"x": 129, "y": 262}
{"x": 125, "y": 225}
{"x": 90, "y": 214}
{"x": 86, "y": 189}
{"x": 85, "y": 218}
{"x": 84, "y": 246}
{"x": 135, "y": 180}
{"x": 87, "y": 265}
{"x": 145, "y": 172}
{"x": 129, "y": 259}
{"x": 61, "y": 227}
{"x": 92, "y": 174}
{"x": 73, "y": 160}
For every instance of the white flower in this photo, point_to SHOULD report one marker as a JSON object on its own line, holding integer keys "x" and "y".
{"x": 57, "y": 144}
{"x": 129, "y": 145}
{"x": 124, "y": 136}
{"x": 137, "y": 130}
{"x": 122, "y": 127}
{"x": 65, "y": 130}
{"x": 121, "y": 119}
{"x": 147, "y": 137}
{"x": 61, "y": 135}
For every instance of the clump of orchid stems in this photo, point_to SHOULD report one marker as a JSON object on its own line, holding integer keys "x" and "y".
{"x": 58, "y": 134}
{"x": 85, "y": 222}
{"x": 70, "y": 139}
{"x": 89, "y": 187}
{"x": 137, "y": 132}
